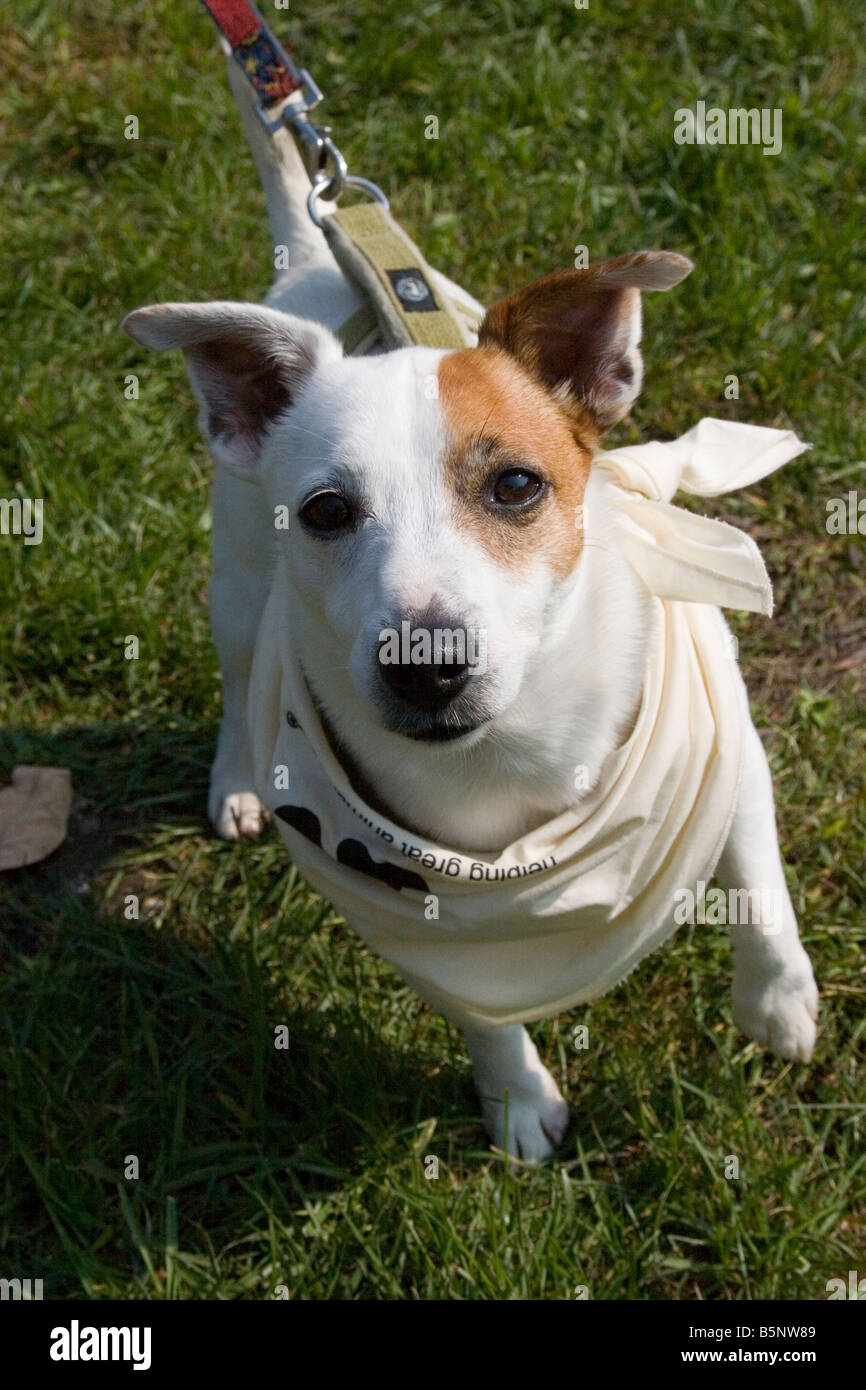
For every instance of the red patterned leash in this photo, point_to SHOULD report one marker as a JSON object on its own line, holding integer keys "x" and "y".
{"x": 266, "y": 65}
{"x": 285, "y": 94}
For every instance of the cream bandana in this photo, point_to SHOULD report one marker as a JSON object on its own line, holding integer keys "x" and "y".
{"x": 564, "y": 913}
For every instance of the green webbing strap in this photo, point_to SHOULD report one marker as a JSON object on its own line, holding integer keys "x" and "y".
{"x": 360, "y": 326}
{"x": 404, "y": 304}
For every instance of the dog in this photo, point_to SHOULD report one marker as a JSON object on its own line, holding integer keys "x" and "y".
{"x": 443, "y": 492}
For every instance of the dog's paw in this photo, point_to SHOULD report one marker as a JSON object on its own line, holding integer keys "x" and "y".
{"x": 779, "y": 1010}
{"x": 533, "y": 1121}
{"x": 236, "y": 815}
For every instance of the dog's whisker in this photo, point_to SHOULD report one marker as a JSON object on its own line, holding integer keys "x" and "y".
{"x": 316, "y": 434}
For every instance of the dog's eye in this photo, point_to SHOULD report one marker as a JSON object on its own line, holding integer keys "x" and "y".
{"x": 517, "y": 487}
{"x": 327, "y": 511}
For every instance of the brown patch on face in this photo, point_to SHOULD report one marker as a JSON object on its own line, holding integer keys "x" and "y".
{"x": 497, "y": 416}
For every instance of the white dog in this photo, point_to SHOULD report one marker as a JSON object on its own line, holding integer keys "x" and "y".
{"x": 511, "y": 832}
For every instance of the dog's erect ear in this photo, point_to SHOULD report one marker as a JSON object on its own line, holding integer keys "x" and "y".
{"x": 246, "y": 364}
{"x": 578, "y": 330}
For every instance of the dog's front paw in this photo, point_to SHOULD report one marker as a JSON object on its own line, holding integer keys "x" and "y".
{"x": 529, "y": 1127}
{"x": 238, "y": 814}
{"x": 529, "y": 1119}
{"x": 523, "y": 1110}
{"x": 779, "y": 1009}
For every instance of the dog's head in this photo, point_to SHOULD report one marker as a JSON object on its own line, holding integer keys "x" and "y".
{"x": 435, "y": 498}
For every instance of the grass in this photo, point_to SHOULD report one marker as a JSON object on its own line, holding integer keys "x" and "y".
{"x": 154, "y": 1037}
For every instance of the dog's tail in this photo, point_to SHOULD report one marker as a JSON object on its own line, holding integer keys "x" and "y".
{"x": 284, "y": 178}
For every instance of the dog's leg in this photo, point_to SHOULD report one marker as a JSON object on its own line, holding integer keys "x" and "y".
{"x": 521, "y": 1103}
{"x": 239, "y": 588}
{"x": 775, "y": 998}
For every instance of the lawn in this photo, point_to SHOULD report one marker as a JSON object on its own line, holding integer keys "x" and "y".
{"x": 152, "y": 1037}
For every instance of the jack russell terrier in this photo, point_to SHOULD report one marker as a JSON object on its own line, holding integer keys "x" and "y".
{"x": 480, "y": 677}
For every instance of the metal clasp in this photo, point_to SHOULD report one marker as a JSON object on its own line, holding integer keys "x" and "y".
{"x": 315, "y": 143}
{"x": 321, "y": 186}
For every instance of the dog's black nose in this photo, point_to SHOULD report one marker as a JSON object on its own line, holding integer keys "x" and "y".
{"x": 426, "y": 687}
{"x": 423, "y": 664}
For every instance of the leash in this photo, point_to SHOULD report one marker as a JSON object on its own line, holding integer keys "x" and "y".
{"x": 367, "y": 243}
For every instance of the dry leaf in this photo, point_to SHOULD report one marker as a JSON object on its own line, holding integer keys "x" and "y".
{"x": 34, "y": 812}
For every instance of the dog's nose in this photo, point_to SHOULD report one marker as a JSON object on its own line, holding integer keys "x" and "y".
{"x": 428, "y": 687}
{"x": 428, "y": 674}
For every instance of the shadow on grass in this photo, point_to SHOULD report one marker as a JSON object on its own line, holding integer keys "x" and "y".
{"x": 127, "y": 1040}
{"x": 124, "y": 778}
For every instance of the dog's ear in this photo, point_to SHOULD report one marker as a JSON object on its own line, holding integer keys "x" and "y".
{"x": 578, "y": 330}
{"x": 246, "y": 363}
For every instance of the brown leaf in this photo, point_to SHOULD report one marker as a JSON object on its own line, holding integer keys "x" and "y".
{"x": 34, "y": 811}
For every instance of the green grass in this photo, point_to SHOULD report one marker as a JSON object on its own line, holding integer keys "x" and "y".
{"x": 155, "y": 1037}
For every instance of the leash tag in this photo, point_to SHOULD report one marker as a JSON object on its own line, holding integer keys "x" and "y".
{"x": 413, "y": 291}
